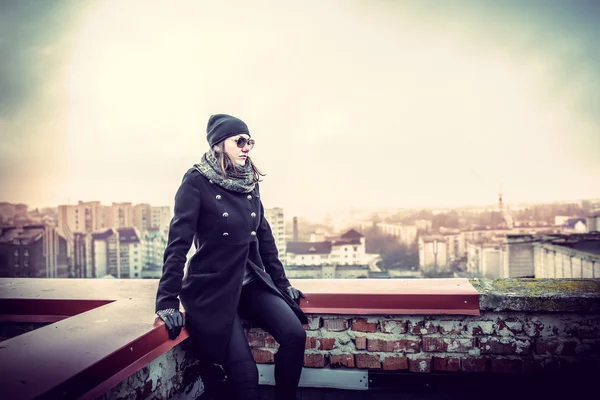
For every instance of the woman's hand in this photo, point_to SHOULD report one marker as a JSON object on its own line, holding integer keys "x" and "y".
{"x": 174, "y": 320}
{"x": 295, "y": 294}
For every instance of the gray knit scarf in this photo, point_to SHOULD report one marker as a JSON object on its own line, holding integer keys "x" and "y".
{"x": 239, "y": 179}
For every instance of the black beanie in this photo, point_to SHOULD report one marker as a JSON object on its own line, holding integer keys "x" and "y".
{"x": 222, "y": 126}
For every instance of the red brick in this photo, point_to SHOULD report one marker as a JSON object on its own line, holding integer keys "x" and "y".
{"x": 450, "y": 327}
{"x": 508, "y": 328}
{"x": 422, "y": 328}
{"x": 262, "y": 356}
{"x": 505, "y": 366}
{"x": 403, "y": 345}
{"x": 361, "y": 325}
{"x": 314, "y": 360}
{"x": 533, "y": 327}
{"x": 420, "y": 365}
{"x": 361, "y": 343}
{"x": 395, "y": 363}
{"x": 367, "y": 361}
{"x": 447, "y": 345}
{"x": 478, "y": 328}
{"x": 314, "y": 323}
{"x": 475, "y": 364}
{"x": 341, "y": 360}
{"x": 261, "y": 339}
{"x": 393, "y": 326}
{"x": 451, "y": 364}
{"x": 336, "y": 325}
{"x": 311, "y": 342}
{"x": 505, "y": 345}
{"x": 326, "y": 343}
{"x": 560, "y": 348}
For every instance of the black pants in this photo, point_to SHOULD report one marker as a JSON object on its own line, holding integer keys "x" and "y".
{"x": 262, "y": 308}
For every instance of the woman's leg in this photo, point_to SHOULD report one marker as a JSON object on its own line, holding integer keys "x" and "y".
{"x": 239, "y": 365}
{"x": 270, "y": 312}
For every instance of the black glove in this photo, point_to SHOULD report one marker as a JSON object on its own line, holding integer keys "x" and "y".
{"x": 174, "y": 320}
{"x": 295, "y": 294}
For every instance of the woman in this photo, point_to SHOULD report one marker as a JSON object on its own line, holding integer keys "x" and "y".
{"x": 235, "y": 273}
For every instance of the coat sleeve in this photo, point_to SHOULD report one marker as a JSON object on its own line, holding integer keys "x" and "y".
{"x": 268, "y": 252}
{"x": 181, "y": 235}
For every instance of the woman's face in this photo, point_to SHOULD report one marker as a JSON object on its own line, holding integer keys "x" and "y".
{"x": 237, "y": 155}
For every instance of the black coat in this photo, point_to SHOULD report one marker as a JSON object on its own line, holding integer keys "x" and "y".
{"x": 229, "y": 230}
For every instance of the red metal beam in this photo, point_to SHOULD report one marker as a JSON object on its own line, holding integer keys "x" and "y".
{"x": 105, "y": 330}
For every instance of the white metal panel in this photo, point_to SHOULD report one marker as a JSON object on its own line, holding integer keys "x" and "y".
{"x": 336, "y": 378}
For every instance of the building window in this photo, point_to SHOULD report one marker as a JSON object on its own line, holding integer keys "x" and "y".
{"x": 345, "y": 249}
{"x": 355, "y": 248}
{"x": 16, "y": 252}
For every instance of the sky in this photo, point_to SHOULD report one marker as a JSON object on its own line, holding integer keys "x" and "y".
{"x": 361, "y": 104}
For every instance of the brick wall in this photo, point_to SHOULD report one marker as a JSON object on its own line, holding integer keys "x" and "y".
{"x": 505, "y": 342}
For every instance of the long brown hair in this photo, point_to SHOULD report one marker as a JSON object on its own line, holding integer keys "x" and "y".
{"x": 228, "y": 165}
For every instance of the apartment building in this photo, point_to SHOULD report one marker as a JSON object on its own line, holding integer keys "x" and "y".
{"x": 347, "y": 249}
{"x": 117, "y": 252}
{"x": 406, "y": 234}
{"x": 275, "y": 217}
{"x": 38, "y": 251}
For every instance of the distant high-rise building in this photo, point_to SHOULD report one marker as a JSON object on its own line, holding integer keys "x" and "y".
{"x": 119, "y": 215}
{"x": 82, "y": 217}
{"x": 160, "y": 218}
{"x": 142, "y": 216}
{"x": 118, "y": 252}
{"x": 275, "y": 218}
{"x": 82, "y": 255}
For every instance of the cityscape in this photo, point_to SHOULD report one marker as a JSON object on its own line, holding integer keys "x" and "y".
{"x": 127, "y": 241}
{"x": 428, "y": 169}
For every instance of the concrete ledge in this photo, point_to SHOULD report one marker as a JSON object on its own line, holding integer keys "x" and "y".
{"x": 539, "y": 295}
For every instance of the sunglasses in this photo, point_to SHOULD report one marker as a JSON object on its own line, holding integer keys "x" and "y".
{"x": 242, "y": 142}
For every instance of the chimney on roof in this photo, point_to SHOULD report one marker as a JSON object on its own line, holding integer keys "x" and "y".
{"x": 295, "y": 232}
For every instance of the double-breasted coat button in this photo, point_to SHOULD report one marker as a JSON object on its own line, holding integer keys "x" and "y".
{"x": 253, "y": 215}
{"x": 226, "y": 214}
{"x": 218, "y": 197}
{"x": 225, "y": 234}
{"x": 249, "y": 197}
{"x": 253, "y": 233}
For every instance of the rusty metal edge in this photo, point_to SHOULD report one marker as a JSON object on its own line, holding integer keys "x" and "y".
{"x": 132, "y": 368}
{"x": 414, "y": 304}
{"x": 126, "y": 360}
{"x": 387, "y": 311}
